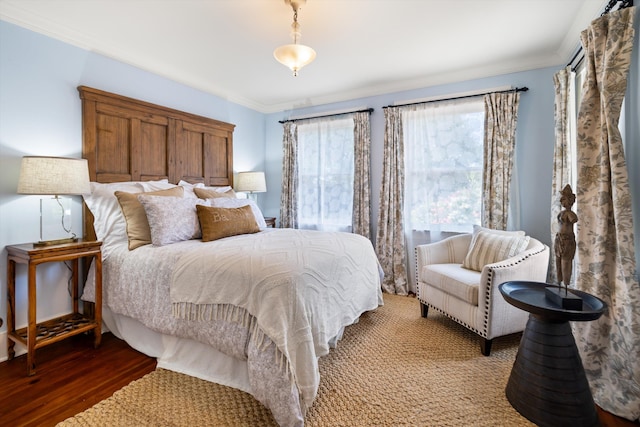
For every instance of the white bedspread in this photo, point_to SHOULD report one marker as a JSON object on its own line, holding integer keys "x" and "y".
{"x": 301, "y": 287}
{"x": 136, "y": 285}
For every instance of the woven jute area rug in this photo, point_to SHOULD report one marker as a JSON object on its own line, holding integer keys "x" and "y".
{"x": 393, "y": 368}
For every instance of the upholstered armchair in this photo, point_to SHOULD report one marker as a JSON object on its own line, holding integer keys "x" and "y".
{"x": 470, "y": 296}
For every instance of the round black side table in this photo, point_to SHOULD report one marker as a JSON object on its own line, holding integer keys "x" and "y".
{"x": 548, "y": 384}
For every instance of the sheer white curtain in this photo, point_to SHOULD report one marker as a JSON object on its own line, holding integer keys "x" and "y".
{"x": 443, "y": 157}
{"x": 325, "y": 173}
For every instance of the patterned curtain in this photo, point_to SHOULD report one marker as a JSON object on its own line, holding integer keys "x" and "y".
{"x": 288, "y": 201}
{"x": 501, "y": 116}
{"x": 390, "y": 245}
{"x": 361, "y": 179}
{"x": 606, "y": 265}
{"x": 563, "y": 173}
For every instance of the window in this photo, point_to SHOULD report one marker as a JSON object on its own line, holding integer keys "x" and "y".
{"x": 325, "y": 174}
{"x": 443, "y": 145}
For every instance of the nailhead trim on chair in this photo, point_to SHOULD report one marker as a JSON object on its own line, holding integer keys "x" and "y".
{"x": 431, "y": 307}
{"x": 456, "y": 320}
{"x": 487, "y": 298}
{"x": 487, "y": 295}
{"x": 415, "y": 273}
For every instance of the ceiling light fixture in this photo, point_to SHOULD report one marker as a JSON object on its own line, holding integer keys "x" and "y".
{"x": 295, "y": 56}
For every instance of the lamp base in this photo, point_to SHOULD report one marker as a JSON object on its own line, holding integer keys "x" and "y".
{"x": 55, "y": 242}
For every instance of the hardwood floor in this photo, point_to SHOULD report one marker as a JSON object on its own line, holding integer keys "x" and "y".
{"x": 71, "y": 376}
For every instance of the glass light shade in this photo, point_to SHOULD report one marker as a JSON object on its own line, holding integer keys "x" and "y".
{"x": 53, "y": 175}
{"x": 294, "y": 56}
{"x": 55, "y": 219}
{"x": 251, "y": 182}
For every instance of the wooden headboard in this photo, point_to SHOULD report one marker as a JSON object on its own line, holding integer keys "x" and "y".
{"x": 124, "y": 139}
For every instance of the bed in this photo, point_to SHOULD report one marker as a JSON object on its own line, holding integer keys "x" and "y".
{"x": 254, "y": 309}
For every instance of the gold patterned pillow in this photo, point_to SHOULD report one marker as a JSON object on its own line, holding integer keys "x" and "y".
{"x": 227, "y": 202}
{"x": 138, "y": 231}
{"x": 210, "y": 193}
{"x": 487, "y": 248}
{"x": 217, "y": 223}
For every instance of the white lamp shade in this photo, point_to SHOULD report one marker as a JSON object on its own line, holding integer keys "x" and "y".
{"x": 251, "y": 182}
{"x": 53, "y": 175}
{"x": 294, "y": 56}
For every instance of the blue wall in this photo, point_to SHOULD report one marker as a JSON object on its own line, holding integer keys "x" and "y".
{"x": 534, "y": 141}
{"x": 40, "y": 115}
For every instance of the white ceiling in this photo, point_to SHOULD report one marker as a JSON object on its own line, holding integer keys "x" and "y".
{"x": 364, "y": 47}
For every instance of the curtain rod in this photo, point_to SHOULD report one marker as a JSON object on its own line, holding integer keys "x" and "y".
{"x": 519, "y": 89}
{"x": 612, "y": 3}
{"x": 366, "y": 110}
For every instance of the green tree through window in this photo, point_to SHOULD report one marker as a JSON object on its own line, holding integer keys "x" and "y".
{"x": 443, "y": 165}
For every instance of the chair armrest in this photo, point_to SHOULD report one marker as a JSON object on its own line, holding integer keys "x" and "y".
{"x": 450, "y": 250}
{"x": 530, "y": 265}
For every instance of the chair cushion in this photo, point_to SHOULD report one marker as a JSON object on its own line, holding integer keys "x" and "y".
{"x": 454, "y": 280}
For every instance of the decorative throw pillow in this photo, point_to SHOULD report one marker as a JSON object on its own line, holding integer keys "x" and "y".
{"x": 225, "y": 202}
{"x": 217, "y": 223}
{"x": 487, "y": 248}
{"x": 138, "y": 231}
{"x": 214, "y": 192}
{"x": 478, "y": 228}
{"x": 171, "y": 219}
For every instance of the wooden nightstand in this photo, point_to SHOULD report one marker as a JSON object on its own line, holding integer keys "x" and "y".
{"x": 37, "y": 335}
{"x": 271, "y": 221}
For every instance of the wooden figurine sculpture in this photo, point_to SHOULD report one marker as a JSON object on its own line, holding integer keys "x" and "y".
{"x": 565, "y": 243}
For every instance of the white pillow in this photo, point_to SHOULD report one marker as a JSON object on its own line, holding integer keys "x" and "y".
{"x": 172, "y": 219}
{"x": 228, "y": 202}
{"x": 188, "y": 188}
{"x": 108, "y": 221}
{"x": 186, "y": 184}
{"x": 162, "y": 184}
{"x": 488, "y": 247}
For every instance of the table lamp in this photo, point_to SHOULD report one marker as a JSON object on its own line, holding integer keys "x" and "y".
{"x": 251, "y": 182}
{"x": 54, "y": 176}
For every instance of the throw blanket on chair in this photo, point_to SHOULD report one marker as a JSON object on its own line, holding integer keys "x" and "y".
{"x": 300, "y": 288}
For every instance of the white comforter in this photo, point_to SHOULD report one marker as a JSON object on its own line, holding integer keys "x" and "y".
{"x": 301, "y": 286}
{"x": 137, "y": 284}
